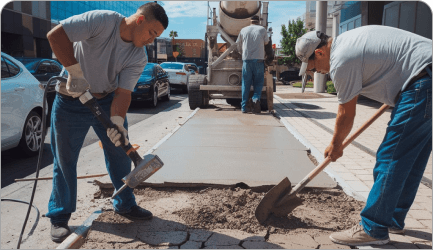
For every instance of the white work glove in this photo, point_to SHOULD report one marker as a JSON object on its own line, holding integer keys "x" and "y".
{"x": 114, "y": 134}
{"x": 76, "y": 84}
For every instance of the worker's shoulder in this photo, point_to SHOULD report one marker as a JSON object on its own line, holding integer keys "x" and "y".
{"x": 102, "y": 14}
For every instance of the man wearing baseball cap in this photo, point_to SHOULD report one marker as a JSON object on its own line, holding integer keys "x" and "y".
{"x": 391, "y": 66}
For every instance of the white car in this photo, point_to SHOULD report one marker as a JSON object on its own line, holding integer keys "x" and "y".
{"x": 21, "y": 110}
{"x": 178, "y": 74}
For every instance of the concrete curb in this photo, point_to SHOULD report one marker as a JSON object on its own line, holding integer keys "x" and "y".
{"x": 77, "y": 238}
{"x": 319, "y": 157}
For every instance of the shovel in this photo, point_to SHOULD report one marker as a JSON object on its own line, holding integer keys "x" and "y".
{"x": 282, "y": 199}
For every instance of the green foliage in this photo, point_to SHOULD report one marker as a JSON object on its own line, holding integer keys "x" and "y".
{"x": 330, "y": 87}
{"x": 290, "y": 34}
{"x": 299, "y": 85}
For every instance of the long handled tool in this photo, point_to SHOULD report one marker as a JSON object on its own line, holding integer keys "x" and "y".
{"x": 282, "y": 199}
{"x": 144, "y": 168}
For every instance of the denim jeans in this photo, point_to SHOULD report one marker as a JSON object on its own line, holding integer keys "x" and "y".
{"x": 400, "y": 161}
{"x": 70, "y": 122}
{"x": 253, "y": 73}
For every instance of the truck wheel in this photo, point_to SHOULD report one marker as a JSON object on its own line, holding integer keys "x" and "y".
{"x": 195, "y": 96}
{"x": 264, "y": 104}
{"x": 234, "y": 102}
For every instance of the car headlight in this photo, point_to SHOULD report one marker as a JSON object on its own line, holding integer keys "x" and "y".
{"x": 144, "y": 86}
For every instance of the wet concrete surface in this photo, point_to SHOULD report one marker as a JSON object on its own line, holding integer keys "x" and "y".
{"x": 224, "y": 146}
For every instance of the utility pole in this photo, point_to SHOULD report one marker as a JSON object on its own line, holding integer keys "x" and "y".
{"x": 321, "y": 20}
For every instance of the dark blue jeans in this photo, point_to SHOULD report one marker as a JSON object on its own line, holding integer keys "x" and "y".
{"x": 401, "y": 160}
{"x": 253, "y": 73}
{"x": 70, "y": 122}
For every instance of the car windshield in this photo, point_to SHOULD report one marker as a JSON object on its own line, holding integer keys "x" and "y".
{"x": 29, "y": 63}
{"x": 171, "y": 66}
{"x": 148, "y": 70}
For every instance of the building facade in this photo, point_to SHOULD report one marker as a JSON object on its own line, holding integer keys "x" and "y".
{"x": 413, "y": 16}
{"x": 25, "y": 24}
{"x": 192, "y": 48}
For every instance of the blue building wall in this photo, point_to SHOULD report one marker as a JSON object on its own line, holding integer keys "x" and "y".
{"x": 63, "y": 9}
{"x": 350, "y": 10}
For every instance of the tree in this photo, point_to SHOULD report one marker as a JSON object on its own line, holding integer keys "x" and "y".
{"x": 290, "y": 34}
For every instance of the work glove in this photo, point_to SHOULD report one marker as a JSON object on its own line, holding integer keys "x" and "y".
{"x": 76, "y": 84}
{"x": 116, "y": 134}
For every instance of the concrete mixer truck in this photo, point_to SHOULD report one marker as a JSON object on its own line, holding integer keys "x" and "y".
{"x": 223, "y": 79}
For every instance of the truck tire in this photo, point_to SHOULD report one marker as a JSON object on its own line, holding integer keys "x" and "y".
{"x": 195, "y": 96}
{"x": 234, "y": 102}
{"x": 264, "y": 104}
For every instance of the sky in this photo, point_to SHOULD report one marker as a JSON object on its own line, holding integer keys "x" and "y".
{"x": 189, "y": 18}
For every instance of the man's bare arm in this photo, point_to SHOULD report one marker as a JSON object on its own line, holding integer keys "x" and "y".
{"x": 61, "y": 46}
{"x": 343, "y": 126}
{"x": 121, "y": 102}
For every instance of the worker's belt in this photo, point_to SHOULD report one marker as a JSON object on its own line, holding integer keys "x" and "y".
{"x": 421, "y": 74}
{"x": 67, "y": 97}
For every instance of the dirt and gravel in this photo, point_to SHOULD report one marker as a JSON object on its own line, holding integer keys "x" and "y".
{"x": 322, "y": 212}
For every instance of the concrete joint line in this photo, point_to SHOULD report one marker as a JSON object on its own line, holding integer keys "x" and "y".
{"x": 426, "y": 181}
{"x": 77, "y": 238}
{"x": 319, "y": 157}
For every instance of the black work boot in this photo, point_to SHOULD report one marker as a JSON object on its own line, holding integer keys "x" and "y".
{"x": 249, "y": 106}
{"x": 257, "y": 109}
{"x": 60, "y": 231}
{"x": 137, "y": 213}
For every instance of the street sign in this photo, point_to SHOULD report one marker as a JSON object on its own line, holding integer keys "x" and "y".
{"x": 175, "y": 54}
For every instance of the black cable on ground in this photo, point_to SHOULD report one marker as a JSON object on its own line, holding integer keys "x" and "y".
{"x": 37, "y": 213}
{"x": 41, "y": 150}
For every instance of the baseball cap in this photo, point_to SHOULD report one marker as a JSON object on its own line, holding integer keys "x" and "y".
{"x": 305, "y": 47}
{"x": 255, "y": 18}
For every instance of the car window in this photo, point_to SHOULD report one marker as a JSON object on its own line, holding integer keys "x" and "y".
{"x": 13, "y": 68}
{"x": 5, "y": 70}
{"x": 29, "y": 63}
{"x": 171, "y": 66}
{"x": 56, "y": 68}
{"x": 44, "y": 67}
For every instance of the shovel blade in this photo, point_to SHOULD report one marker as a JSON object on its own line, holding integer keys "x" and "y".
{"x": 266, "y": 205}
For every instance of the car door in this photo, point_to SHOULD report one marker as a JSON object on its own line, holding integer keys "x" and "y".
{"x": 12, "y": 102}
{"x": 163, "y": 80}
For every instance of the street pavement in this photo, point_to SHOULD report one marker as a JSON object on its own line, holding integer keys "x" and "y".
{"x": 311, "y": 121}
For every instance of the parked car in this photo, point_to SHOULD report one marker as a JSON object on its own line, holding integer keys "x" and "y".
{"x": 288, "y": 76}
{"x": 178, "y": 74}
{"x": 193, "y": 67}
{"x": 21, "y": 110}
{"x": 43, "y": 69}
{"x": 152, "y": 85}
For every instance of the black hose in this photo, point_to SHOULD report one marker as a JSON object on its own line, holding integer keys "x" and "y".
{"x": 37, "y": 213}
{"x": 41, "y": 150}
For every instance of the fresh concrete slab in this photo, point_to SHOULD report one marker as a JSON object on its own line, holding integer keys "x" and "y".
{"x": 227, "y": 147}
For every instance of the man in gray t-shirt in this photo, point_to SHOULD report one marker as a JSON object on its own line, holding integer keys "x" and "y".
{"x": 391, "y": 66}
{"x": 102, "y": 51}
{"x": 251, "y": 43}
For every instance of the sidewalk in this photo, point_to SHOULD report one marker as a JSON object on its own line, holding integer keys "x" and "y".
{"x": 314, "y": 119}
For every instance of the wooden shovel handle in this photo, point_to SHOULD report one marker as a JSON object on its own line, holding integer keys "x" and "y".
{"x": 327, "y": 160}
{"x": 50, "y": 178}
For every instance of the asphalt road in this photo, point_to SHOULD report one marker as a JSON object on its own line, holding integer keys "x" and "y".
{"x": 14, "y": 166}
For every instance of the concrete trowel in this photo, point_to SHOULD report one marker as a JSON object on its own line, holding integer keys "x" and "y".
{"x": 282, "y": 200}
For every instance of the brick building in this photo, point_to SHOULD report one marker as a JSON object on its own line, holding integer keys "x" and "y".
{"x": 193, "y": 48}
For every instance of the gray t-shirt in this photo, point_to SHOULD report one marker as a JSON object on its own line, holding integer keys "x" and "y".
{"x": 377, "y": 62}
{"x": 251, "y": 41}
{"x": 107, "y": 61}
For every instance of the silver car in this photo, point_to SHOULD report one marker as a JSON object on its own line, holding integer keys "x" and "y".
{"x": 178, "y": 74}
{"x": 21, "y": 110}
